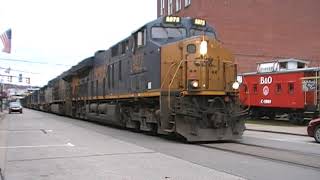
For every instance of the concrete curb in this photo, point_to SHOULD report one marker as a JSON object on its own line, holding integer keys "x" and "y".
{"x": 278, "y": 132}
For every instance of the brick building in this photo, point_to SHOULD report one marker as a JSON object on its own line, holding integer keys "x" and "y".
{"x": 258, "y": 30}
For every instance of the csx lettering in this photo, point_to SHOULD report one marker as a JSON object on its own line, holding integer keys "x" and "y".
{"x": 266, "y": 80}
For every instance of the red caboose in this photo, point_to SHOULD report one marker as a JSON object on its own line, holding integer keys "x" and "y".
{"x": 285, "y": 86}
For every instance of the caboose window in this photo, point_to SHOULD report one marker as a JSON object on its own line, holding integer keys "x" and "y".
{"x": 245, "y": 88}
{"x": 291, "y": 88}
{"x": 167, "y": 33}
{"x": 278, "y": 88}
{"x": 255, "y": 89}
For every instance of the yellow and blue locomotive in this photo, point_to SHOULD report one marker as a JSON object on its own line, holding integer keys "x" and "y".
{"x": 171, "y": 76}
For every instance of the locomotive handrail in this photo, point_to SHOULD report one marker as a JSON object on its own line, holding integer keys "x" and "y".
{"x": 167, "y": 74}
{"x": 169, "y": 88}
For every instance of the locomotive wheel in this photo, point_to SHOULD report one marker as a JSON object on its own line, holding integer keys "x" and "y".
{"x": 317, "y": 134}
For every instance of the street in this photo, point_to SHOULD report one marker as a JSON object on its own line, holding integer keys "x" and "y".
{"x": 37, "y": 145}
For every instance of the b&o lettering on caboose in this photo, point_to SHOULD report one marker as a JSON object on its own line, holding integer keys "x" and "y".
{"x": 266, "y": 80}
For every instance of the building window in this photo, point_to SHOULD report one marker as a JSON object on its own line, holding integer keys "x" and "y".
{"x": 161, "y": 7}
{"x": 291, "y": 88}
{"x": 178, "y": 5}
{"x": 170, "y": 7}
{"x": 187, "y": 3}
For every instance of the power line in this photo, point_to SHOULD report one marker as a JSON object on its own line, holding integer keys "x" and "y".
{"x": 33, "y": 62}
{"x": 19, "y": 70}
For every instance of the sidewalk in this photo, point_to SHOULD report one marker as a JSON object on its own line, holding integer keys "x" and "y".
{"x": 46, "y": 146}
{"x": 2, "y": 114}
{"x": 294, "y": 130}
{"x": 3, "y": 137}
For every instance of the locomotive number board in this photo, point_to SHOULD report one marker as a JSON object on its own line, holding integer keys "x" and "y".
{"x": 172, "y": 19}
{"x": 199, "y": 22}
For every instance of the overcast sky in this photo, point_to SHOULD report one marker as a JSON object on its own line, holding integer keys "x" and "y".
{"x": 65, "y": 32}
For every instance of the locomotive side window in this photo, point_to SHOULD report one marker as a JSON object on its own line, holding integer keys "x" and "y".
{"x": 114, "y": 51}
{"x": 255, "y": 89}
{"x": 124, "y": 46}
{"x": 278, "y": 88}
{"x": 291, "y": 88}
{"x": 140, "y": 38}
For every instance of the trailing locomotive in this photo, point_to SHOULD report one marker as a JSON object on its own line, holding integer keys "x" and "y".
{"x": 284, "y": 86}
{"x": 171, "y": 76}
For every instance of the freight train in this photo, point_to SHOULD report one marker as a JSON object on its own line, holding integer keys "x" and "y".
{"x": 282, "y": 86}
{"x": 171, "y": 76}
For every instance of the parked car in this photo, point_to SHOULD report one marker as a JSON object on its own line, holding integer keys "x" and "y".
{"x": 314, "y": 129}
{"x": 15, "y": 107}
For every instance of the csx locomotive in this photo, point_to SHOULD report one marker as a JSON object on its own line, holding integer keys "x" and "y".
{"x": 171, "y": 76}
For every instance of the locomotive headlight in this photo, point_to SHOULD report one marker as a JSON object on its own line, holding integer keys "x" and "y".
{"x": 235, "y": 85}
{"x": 195, "y": 84}
{"x": 203, "y": 47}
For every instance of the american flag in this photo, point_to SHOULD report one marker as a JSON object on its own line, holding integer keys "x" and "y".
{"x": 6, "y": 41}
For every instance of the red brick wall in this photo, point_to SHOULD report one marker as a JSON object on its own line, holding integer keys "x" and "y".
{"x": 257, "y": 30}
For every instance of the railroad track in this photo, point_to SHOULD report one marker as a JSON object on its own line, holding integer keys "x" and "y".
{"x": 293, "y": 157}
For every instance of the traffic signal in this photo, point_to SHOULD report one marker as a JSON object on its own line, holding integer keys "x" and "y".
{"x": 20, "y": 77}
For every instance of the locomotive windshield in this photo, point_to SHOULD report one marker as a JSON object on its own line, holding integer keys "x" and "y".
{"x": 197, "y": 32}
{"x": 168, "y": 33}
